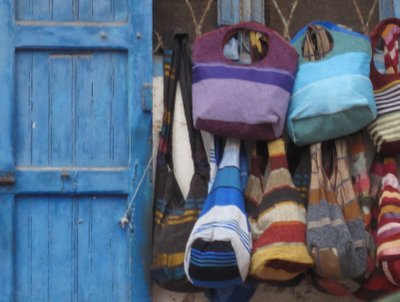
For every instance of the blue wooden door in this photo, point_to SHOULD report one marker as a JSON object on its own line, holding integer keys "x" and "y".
{"x": 75, "y": 138}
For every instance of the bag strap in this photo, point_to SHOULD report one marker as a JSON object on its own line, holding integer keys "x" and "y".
{"x": 277, "y": 154}
{"x": 177, "y": 66}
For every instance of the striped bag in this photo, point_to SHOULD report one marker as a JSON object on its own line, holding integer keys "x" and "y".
{"x": 377, "y": 285}
{"x": 278, "y": 221}
{"x": 335, "y": 232}
{"x": 332, "y": 94}
{"x": 218, "y": 249}
{"x": 385, "y": 130}
{"x": 174, "y": 215}
{"x": 245, "y": 101}
{"x": 388, "y": 253}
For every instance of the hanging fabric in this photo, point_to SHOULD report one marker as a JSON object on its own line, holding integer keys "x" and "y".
{"x": 332, "y": 94}
{"x": 218, "y": 250}
{"x": 385, "y": 130}
{"x": 244, "y": 101}
{"x": 174, "y": 215}
{"x": 336, "y": 236}
{"x": 278, "y": 221}
{"x": 388, "y": 252}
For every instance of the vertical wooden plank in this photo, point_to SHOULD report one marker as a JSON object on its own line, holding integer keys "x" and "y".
{"x": 396, "y": 7}
{"x": 24, "y": 79}
{"x": 119, "y": 126}
{"x": 119, "y": 248}
{"x": 140, "y": 72}
{"x": 102, "y": 243}
{"x": 389, "y": 9}
{"x": 23, "y": 10}
{"x": 63, "y": 10}
{"x": 61, "y": 263}
{"x": 234, "y": 11}
{"x": 84, "y": 106}
{"x": 228, "y": 12}
{"x": 7, "y": 61}
{"x": 6, "y": 247}
{"x": 120, "y": 10}
{"x": 386, "y": 9}
{"x": 39, "y": 248}
{"x": 61, "y": 108}
{"x": 100, "y": 238}
{"x": 102, "y": 92}
{"x": 86, "y": 288}
{"x": 103, "y": 10}
{"x": 41, "y": 10}
{"x": 85, "y": 10}
{"x": 7, "y": 66}
{"x": 257, "y": 10}
{"x": 40, "y": 109}
{"x": 23, "y": 250}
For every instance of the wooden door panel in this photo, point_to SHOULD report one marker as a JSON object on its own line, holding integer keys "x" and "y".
{"x": 70, "y": 249}
{"x": 71, "y": 109}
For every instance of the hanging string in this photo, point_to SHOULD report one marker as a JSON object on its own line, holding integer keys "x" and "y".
{"x": 125, "y": 220}
{"x": 198, "y": 26}
{"x": 286, "y": 22}
{"x": 365, "y": 25}
{"x": 160, "y": 44}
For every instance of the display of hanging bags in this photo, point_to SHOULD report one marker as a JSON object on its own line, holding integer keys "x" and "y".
{"x": 336, "y": 237}
{"x": 385, "y": 130}
{"x": 332, "y": 94}
{"x": 244, "y": 101}
{"x": 278, "y": 221}
{"x": 175, "y": 216}
{"x": 218, "y": 249}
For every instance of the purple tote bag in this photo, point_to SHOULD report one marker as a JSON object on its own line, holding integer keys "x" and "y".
{"x": 244, "y": 101}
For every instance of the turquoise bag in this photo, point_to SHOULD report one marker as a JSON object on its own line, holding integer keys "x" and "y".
{"x": 332, "y": 94}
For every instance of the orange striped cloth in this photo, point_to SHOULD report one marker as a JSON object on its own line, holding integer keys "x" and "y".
{"x": 277, "y": 220}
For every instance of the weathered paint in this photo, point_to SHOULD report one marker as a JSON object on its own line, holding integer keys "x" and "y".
{"x": 389, "y": 8}
{"x": 76, "y": 137}
{"x": 234, "y": 11}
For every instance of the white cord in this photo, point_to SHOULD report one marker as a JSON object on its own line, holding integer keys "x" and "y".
{"x": 125, "y": 220}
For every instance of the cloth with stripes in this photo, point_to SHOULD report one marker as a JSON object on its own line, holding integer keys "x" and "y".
{"x": 385, "y": 130}
{"x": 336, "y": 237}
{"x": 388, "y": 253}
{"x": 175, "y": 215}
{"x": 332, "y": 96}
{"x": 360, "y": 176}
{"x": 245, "y": 101}
{"x": 277, "y": 220}
{"x": 219, "y": 247}
{"x": 377, "y": 285}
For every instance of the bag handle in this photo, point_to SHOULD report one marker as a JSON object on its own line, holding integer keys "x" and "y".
{"x": 179, "y": 70}
{"x": 230, "y": 31}
{"x": 374, "y": 35}
{"x": 317, "y": 170}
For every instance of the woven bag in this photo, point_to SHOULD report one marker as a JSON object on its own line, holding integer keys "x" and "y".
{"x": 388, "y": 236}
{"x": 278, "y": 221}
{"x": 385, "y": 78}
{"x": 218, "y": 250}
{"x": 336, "y": 237}
{"x": 332, "y": 94}
{"x": 174, "y": 215}
{"x": 244, "y": 101}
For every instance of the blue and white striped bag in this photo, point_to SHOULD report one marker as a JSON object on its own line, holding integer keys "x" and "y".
{"x": 219, "y": 247}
